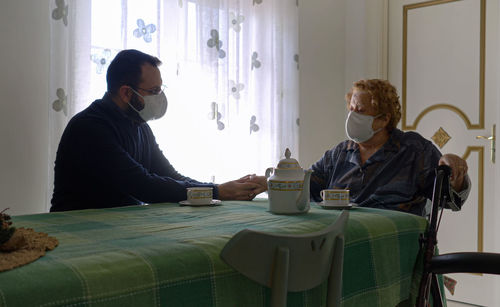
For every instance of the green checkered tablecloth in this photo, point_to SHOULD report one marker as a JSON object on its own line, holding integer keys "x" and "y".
{"x": 168, "y": 255}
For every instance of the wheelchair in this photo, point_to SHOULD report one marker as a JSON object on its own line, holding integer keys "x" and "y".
{"x": 463, "y": 262}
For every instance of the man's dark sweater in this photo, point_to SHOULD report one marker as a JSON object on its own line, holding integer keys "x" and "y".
{"x": 105, "y": 159}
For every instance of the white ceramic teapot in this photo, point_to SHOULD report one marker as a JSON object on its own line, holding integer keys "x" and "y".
{"x": 288, "y": 187}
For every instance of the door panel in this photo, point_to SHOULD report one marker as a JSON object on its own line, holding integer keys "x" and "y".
{"x": 432, "y": 45}
{"x": 442, "y": 58}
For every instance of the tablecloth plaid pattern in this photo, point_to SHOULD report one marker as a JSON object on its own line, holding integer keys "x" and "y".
{"x": 168, "y": 255}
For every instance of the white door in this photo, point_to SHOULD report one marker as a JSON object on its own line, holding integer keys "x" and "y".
{"x": 443, "y": 60}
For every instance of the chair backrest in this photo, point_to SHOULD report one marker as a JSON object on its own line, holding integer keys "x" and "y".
{"x": 291, "y": 262}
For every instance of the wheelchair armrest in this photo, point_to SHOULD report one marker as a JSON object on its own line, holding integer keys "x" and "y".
{"x": 467, "y": 262}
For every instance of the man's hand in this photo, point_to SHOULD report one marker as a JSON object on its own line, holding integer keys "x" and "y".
{"x": 241, "y": 189}
{"x": 245, "y": 178}
{"x": 458, "y": 170}
{"x": 260, "y": 180}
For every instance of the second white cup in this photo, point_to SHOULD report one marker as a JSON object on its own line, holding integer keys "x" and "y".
{"x": 335, "y": 197}
{"x": 200, "y": 195}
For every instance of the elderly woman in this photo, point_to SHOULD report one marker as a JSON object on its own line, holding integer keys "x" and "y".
{"x": 382, "y": 166}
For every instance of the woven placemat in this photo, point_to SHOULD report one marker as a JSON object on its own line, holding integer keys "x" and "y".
{"x": 31, "y": 245}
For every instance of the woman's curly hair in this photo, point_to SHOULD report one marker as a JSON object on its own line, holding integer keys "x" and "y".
{"x": 384, "y": 96}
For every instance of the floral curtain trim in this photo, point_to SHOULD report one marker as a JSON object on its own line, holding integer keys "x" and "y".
{"x": 257, "y": 2}
{"x": 60, "y": 12}
{"x": 255, "y": 62}
{"x": 60, "y": 104}
{"x": 144, "y": 31}
{"x": 215, "y": 42}
{"x": 101, "y": 60}
{"x": 236, "y": 21}
{"x": 235, "y": 88}
{"x": 296, "y": 59}
{"x": 214, "y": 114}
{"x": 253, "y": 126}
{"x": 220, "y": 124}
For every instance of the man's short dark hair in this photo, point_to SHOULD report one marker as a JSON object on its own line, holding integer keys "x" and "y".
{"x": 125, "y": 69}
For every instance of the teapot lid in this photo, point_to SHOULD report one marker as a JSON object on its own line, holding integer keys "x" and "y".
{"x": 288, "y": 163}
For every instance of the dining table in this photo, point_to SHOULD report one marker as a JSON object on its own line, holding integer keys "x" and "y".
{"x": 168, "y": 254}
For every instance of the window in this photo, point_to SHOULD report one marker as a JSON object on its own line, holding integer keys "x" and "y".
{"x": 231, "y": 73}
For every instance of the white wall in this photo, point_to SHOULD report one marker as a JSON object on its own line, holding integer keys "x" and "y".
{"x": 24, "y": 54}
{"x": 322, "y": 83}
{"x": 340, "y": 42}
{"x": 329, "y": 32}
{"x": 366, "y": 43}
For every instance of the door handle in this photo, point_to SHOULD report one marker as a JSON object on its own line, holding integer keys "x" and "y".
{"x": 492, "y": 139}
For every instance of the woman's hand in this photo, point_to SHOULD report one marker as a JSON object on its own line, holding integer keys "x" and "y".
{"x": 459, "y": 169}
{"x": 245, "y": 188}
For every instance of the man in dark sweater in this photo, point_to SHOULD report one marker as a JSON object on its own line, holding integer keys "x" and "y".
{"x": 108, "y": 155}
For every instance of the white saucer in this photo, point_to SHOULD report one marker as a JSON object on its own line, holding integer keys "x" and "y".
{"x": 348, "y": 206}
{"x": 214, "y": 202}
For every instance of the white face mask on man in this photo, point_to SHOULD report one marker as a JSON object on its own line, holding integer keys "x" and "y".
{"x": 358, "y": 127}
{"x": 155, "y": 106}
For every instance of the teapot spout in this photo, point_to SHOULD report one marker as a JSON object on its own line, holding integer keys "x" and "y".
{"x": 303, "y": 199}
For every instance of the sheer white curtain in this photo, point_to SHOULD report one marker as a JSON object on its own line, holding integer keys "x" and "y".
{"x": 70, "y": 24}
{"x": 230, "y": 67}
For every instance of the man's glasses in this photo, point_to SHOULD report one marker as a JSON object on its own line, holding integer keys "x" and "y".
{"x": 153, "y": 91}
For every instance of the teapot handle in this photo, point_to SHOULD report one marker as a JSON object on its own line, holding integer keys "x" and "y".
{"x": 269, "y": 170}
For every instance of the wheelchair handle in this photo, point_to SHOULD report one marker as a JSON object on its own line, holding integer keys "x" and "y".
{"x": 445, "y": 169}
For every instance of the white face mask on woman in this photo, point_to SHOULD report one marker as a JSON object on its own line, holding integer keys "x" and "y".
{"x": 358, "y": 127}
{"x": 155, "y": 106}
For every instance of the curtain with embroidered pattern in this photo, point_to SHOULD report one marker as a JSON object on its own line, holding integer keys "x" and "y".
{"x": 230, "y": 68}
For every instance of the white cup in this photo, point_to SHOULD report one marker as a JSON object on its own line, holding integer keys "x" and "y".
{"x": 200, "y": 195}
{"x": 335, "y": 197}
